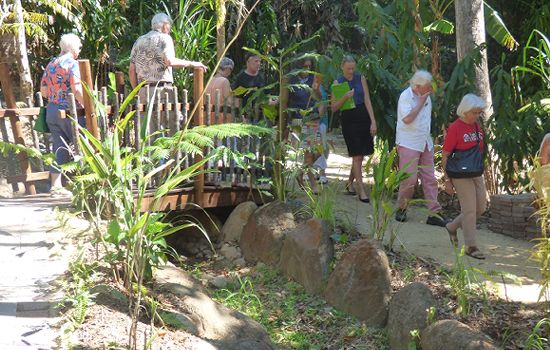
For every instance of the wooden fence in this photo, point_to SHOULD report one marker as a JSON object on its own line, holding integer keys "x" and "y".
{"x": 223, "y": 184}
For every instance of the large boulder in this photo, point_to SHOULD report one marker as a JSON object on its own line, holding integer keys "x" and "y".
{"x": 264, "y": 233}
{"x": 360, "y": 283}
{"x": 205, "y": 317}
{"x": 409, "y": 309}
{"x": 306, "y": 255}
{"x": 454, "y": 335}
{"x": 233, "y": 227}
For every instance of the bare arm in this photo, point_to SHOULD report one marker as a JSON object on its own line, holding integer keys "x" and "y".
{"x": 544, "y": 151}
{"x": 368, "y": 104}
{"x": 178, "y": 63}
{"x": 76, "y": 88}
{"x": 226, "y": 90}
{"x": 44, "y": 91}
{"x": 133, "y": 75}
{"x": 448, "y": 184}
{"x": 409, "y": 118}
{"x": 44, "y": 86}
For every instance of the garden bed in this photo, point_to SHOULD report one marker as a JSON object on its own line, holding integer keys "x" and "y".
{"x": 297, "y": 320}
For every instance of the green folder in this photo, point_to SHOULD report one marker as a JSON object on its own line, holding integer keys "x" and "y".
{"x": 339, "y": 90}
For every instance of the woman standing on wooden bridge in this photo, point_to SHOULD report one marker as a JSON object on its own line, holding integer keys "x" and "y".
{"x": 61, "y": 77}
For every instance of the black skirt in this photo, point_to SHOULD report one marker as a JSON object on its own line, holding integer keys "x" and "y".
{"x": 356, "y": 131}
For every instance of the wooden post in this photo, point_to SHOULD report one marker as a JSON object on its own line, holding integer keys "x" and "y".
{"x": 231, "y": 142}
{"x": 104, "y": 120}
{"x": 137, "y": 123}
{"x": 198, "y": 119}
{"x": 89, "y": 108}
{"x": 185, "y": 112}
{"x": 208, "y": 121}
{"x": 16, "y": 125}
{"x": 175, "y": 126}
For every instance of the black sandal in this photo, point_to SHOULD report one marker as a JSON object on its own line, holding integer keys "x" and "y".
{"x": 349, "y": 187}
{"x": 475, "y": 253}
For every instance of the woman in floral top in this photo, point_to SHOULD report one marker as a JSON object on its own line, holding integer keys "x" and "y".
{"x": 61, "y": 77}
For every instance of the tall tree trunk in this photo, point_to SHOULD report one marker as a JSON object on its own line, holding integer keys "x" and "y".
{"x": 25, "y": 82}
{"x": 470, "y": 33}
{"x": 436, "y": 58}
{"x": 418, "y": 28}
{"x": 220, "y": 27}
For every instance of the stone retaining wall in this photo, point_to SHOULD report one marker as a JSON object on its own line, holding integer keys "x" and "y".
{"x": 514, "y": 215}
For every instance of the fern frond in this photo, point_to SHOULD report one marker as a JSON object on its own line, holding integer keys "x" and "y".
{"x": 7, "y": 147}
{"x": 87, "y": 178}
{"x": 232, "y": 130}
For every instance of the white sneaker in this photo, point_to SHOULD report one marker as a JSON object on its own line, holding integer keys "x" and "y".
{"x": 60, "y": 192}
{"x": 323, "y": 180}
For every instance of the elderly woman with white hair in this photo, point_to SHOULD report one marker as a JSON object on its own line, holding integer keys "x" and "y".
{"x": 61, "y": 77}
{"x": 465, "y": 134}
{"x": 415, "y": 147}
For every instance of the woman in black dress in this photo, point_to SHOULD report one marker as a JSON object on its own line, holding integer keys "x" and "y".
{"x": 358, "y": 124}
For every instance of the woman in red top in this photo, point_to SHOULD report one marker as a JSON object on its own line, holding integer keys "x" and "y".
{"x": 463, "y": 134}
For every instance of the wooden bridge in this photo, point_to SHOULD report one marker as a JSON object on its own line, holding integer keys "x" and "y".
{"x": 223, "y": 185}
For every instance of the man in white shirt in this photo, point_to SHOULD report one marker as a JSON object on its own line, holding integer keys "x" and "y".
{"x": 415, "y": 146}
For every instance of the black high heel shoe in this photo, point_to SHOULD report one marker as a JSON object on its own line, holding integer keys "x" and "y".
{"x": 349, "y": 189}
{"x": 365, "y": 200}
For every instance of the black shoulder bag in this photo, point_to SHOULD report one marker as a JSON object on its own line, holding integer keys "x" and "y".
{"x": 466, "y": 164}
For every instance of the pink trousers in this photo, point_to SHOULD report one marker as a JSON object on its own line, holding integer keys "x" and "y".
{"x": 419, "y": 163}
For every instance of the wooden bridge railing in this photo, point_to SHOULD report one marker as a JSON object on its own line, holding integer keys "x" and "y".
{"x": 168, "y": 116}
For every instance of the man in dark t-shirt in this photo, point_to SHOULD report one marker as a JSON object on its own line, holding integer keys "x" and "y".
{"x": 250, "y": 77}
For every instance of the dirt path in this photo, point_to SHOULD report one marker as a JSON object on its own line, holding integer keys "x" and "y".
{"x": 504, "y": 254}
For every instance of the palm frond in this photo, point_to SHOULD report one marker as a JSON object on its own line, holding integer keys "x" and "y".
{"x": 497, "y": 29}
{"x": 31, "y": 30}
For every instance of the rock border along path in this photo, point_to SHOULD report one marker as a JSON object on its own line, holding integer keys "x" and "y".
{"x": 33, "y": 254}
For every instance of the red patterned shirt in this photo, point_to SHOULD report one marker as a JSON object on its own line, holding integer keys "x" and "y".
{"x": 57, "y": 77}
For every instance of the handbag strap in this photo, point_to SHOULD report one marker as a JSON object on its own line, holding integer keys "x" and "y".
{"x": 477, "y": 134}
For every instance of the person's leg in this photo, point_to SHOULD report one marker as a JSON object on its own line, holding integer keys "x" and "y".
{"x": 481, "y": 196}
{"x": 408, "y": 159}
{"x": 308, "y": 163}
{"x": 467, "y": 196}
{"x": 427, "y": 177}
{"x": 60, "y": 139}
{"x": 357, "y": 171}
{"x": 322, "y": 160}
